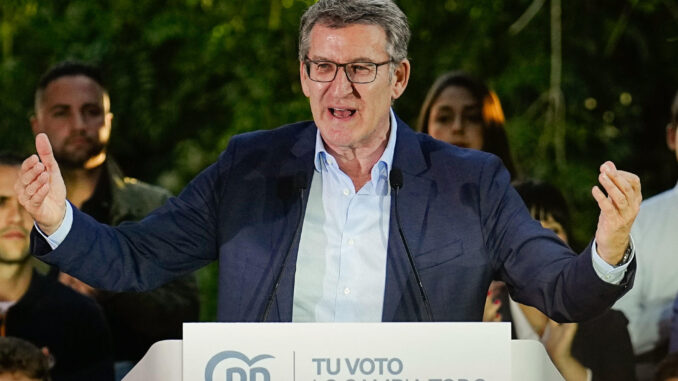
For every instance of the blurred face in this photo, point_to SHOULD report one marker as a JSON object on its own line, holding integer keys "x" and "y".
{"x": 350, "y": 115}
{"x": 74, "y": 112}
{"x": 551, "y": 224}
{"x": 456, "y": 118}
{"x": 15, "y": 222}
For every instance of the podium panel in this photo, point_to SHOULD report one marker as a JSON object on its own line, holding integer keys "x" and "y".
{"x": 346, "y": 352}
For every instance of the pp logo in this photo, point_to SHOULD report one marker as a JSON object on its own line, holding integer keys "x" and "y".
{"x": 234, "y": 372}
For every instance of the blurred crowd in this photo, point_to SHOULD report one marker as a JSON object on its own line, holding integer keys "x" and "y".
{"x": 54, "y": 326}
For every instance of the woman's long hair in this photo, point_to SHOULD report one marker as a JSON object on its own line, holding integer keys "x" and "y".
{"x": 495, "y": 139}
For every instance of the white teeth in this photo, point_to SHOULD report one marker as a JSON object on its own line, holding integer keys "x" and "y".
{"x": 341, "y": 112}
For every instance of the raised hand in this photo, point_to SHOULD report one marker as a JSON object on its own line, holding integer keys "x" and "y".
{"x": 40, "y": 187}
{"x": 618, "y": 210}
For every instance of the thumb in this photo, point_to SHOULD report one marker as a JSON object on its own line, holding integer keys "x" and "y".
{"x": 44, "y": 149}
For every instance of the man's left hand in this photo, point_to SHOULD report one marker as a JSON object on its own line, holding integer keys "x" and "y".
{"x": 618, "y": 210}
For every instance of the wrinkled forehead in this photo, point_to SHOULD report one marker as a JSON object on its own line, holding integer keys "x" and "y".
{"x": 358, "y": 40}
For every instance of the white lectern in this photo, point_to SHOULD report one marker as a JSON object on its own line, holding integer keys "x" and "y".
{"x": 345, "y": 352}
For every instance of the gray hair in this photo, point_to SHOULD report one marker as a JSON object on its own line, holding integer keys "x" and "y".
{"x": 341, "y": 13}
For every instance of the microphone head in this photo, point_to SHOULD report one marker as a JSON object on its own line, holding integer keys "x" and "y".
{"x": 288, "y": 187}
{"x": 396, "y": 178}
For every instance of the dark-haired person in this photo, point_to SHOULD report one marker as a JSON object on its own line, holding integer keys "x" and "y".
{"x": 464, "y": 222}
{"x": 22, "y": 361}
{"x": 461, "y": 110}
{"x": 72, "y": 106}
{"x": 39, "y": 309}
{"x": 649, "y": 307}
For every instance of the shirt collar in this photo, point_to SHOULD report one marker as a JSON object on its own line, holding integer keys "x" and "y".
{"x": 321, "y": 153}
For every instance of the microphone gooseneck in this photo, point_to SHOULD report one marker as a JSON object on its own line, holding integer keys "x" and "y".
{"x": 299, "y": 185}
{"x": 396, "y": 180}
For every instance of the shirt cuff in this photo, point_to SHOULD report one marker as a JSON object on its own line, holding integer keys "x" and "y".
{"x": 60, "y": 234}
{"x": 607, "y": 272}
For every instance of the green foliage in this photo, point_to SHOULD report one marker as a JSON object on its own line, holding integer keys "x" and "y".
{"x": 186, "y": 75}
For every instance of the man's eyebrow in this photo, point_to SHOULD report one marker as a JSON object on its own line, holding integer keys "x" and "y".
{"x": 59, "y": 107}
{"x": 92, "y": 104}
{"x": 355, "y": 60}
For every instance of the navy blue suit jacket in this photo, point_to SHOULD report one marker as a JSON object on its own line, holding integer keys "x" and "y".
{"x": 464, "y": 222}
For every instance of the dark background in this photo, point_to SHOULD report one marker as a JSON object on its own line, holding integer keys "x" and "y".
{"x": 184, "y": 76}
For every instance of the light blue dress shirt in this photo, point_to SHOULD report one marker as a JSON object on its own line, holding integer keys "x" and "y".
{"x": 341, "y": 264}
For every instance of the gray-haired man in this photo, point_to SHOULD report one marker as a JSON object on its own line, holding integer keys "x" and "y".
{"x": 305, "y": 223}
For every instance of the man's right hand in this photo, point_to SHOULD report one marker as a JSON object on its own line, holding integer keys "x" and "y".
{"x": 40, "y": 187}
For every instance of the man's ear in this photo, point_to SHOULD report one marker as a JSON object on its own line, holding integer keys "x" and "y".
{"x": 303, "y": 77}
{"x": 401, "y": 76}
{"x": 671, "y": 136}
{"x": 671, "y": 130}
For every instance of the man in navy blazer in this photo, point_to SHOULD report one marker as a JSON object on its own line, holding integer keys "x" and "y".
{"x": 305, "y": 225}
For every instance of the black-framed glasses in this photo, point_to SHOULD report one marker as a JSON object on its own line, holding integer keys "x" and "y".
{"x": 356, "y": 72}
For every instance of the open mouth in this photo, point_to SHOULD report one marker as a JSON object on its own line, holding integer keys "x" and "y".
{"x": 342, "y": 113}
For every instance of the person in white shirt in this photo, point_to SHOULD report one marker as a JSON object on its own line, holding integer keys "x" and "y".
{"x": 648, "y": 304}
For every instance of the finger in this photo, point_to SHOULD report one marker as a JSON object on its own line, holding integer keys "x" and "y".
{"x": 608, "y": 165}
{"x": 26, "y": 192}
{"x": 32, "y": 188}
{"x": 627, "y": 182}
{"x": 604, "y": 203}
{"x": 40, "y": 195}
{"x": 633, "y": 181}
{"x": 30, "y": 173}
{"x": 44, "y": 149}
{"x": 35, "y": 194}
{"x": 623, "y": 181}
{"x": 29, "y": 162}
{"x": 614, "y": 193}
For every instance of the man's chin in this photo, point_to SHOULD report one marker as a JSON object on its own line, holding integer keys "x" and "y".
{"x": 7, "y": 260}
{"x": 74, "y": 161}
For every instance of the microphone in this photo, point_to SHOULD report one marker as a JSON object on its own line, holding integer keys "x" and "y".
{"x": 299, "y": 184}
{"x": 396, "y": 179}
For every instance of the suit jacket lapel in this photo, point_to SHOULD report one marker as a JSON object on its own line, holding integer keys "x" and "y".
{"x": 302, "y": 160}
{"x": 413, "y": 196}
{"x": 401, "y": 289}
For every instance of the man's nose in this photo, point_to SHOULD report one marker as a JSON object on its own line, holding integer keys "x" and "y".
{"x": 341, "y": 85}
{"x": 15, "y": 213}
{"x": 79, "y": 121}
